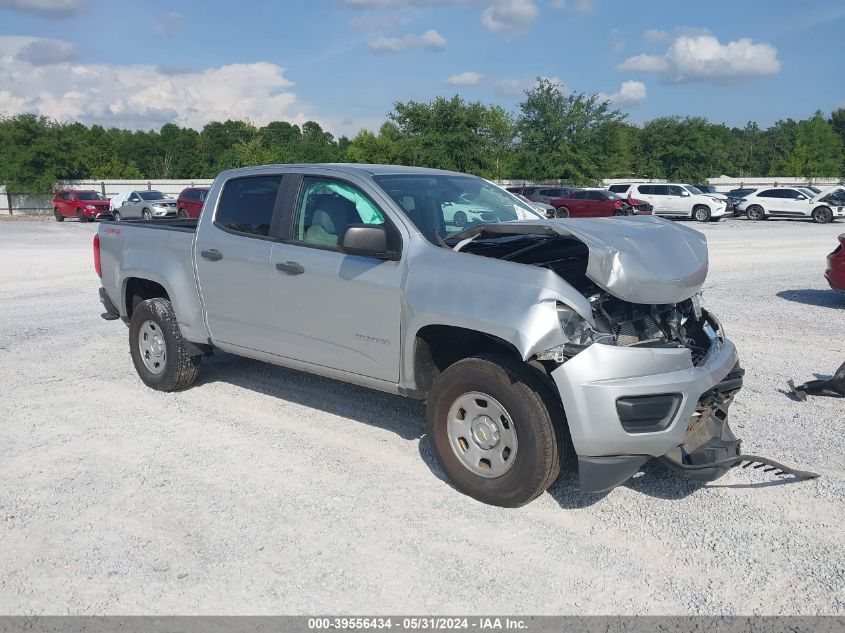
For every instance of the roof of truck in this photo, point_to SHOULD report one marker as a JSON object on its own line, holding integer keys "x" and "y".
{"x": 362, "y": 169}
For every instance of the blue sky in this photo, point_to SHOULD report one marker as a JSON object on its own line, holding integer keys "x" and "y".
{"x": 344, "y": 62}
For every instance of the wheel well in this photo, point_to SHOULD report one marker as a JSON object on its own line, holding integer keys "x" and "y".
{"x": 138, "y": 290}
{"x": 436, "y": 347}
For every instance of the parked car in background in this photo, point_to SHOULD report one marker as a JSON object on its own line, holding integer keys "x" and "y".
{"x": 593, "y": 203}
{"x": 190, "y": 201}
{"x": 546, "y": 210}
{"x": 790, "y": 202}
{"x": 147, "y": 204}
{"x": 83, "y": 204}
{"x": 526, "y": 190}
{"x": 551, "y": 195}
{"x": 735, "y": 195}
{"x": 676, "y": 200}
{"x": 835, "y": 272}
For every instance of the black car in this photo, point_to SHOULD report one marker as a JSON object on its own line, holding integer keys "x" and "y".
{"x": 735, "y": 195}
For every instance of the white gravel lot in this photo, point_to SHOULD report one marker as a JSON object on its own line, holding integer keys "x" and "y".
{"x": 263, "y": 490}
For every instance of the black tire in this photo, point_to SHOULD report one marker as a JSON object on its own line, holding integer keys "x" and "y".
{"x": 562, "y": 212}
{"x": 701, "y": 213}
{"x": 755, "y": 212}
{"x": 620, "y": 212}
{"x": 822, "y": 215}
{"x": 534, "y": 411}
{"x": 146, "y": 214}
{"x": 116, "y": 216}
{"x": 180, "y": 368}
{"x": 59, "y": 217}
{"x": 182, "y": 213}
{"x": 81, "y": 216}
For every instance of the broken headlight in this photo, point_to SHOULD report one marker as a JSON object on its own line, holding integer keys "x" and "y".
{"x": 578, "y": 331}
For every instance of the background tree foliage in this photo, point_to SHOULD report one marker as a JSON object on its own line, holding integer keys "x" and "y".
{"x": 552, "y": 135}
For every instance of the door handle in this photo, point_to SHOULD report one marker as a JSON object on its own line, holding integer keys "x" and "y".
{"x": 213, "y": 254}
{"x": 291, "y": 268}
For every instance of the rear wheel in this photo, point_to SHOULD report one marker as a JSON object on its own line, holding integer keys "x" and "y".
{"x": 701, "y": 213}
{"x": 755, "y": 212}
{"x": 822, "y": 215}
{"x": 562, "y": 212}
{"x": 491, "y": 423}
{"x": 59, "y": 217}
{"x": 158, "y": 350}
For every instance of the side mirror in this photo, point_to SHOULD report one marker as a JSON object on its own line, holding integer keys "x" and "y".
{"x": 367, "y": 240}
{"x": 802, "y": 197}
{"x": 685, "y": 194}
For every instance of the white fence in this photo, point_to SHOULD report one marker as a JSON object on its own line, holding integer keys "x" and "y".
{"x": 26, "y": 203}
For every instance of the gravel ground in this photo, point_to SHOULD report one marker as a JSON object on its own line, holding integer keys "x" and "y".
{"x": 262, "y": 490}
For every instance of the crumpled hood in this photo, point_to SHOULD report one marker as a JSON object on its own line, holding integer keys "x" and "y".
{"x": 641, "y": 259}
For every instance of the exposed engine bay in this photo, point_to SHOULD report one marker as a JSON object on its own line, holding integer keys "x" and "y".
{"x": 682, "y": 324}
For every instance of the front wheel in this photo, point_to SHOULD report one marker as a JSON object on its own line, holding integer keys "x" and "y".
{"x": 701, "y": 213}
{"x": 182, "y": 213}
{"x": 81, "y": 216}
{"x": 116, "y": 215}
{"x": 146, "y": 214}
{"x": 492, "y": 427}
{"x": 822, "y": 215}
{"x": 563, "y": 212}
{"x": 158, "y": 350}
{"x": 460, "y": 219}
{"x": 59, "y": 217}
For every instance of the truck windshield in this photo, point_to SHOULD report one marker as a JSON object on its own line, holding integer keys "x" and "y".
{"x": 443, "y": 205}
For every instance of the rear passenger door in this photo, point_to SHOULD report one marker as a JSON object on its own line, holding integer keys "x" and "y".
{"x": 233, "y": 262}
{"x": 332, "y": 309}
{"x": 646, "y": 192}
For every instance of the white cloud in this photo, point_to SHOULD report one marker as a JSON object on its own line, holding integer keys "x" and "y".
{"x": 46, "y": 8}
{"x": 644, "y": 64}
{"x": 703, "y": 58}
{"x": 655, "y": 35}
{"x": 629, "y": 92}
{"x": 430, "y": 40}
{"x": 168, "y": 23}
{"x": 510, "y": 16}
{"x": 467, "y": 78}
{"x": 142, "y": 96}
{"x": 44, "y": 51}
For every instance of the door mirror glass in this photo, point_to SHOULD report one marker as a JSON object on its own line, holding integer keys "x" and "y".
{"x": 685, "y": 193}
{"x": 366, "y": 240}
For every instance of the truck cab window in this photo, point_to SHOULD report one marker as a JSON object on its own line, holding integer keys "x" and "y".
{"x": 246, "y": 204}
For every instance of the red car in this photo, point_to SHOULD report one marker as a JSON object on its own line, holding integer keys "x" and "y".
{"x": 83, "y": 205}
{"x": 591, "y": 203}
{"x": 190, "y": 202}
{"x": 835, "y": 273}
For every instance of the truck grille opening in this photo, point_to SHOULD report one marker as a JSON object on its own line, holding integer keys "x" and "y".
{"x": 641, "y": 325}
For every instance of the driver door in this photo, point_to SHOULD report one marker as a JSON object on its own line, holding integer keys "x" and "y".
{"x": 131, "y": 207}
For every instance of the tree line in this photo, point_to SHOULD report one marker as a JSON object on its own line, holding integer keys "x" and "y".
{"x": 552, "y": 135}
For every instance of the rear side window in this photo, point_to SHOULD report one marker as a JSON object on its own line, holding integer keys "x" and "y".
{"x": 246, "y": 204}
{"x": 769, "y": 193}
{"x": 618, "y": 188}
{"x": 646, "y": 189}
{"x": 660, "y": 190}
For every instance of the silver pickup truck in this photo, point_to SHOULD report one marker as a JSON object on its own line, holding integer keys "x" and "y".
{"x": 528, "y": 338}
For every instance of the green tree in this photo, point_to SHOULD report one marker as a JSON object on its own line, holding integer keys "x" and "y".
{"x": 558, "y": 133}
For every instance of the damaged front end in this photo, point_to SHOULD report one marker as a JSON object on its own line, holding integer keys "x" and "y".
{"x": 644, "y": 371}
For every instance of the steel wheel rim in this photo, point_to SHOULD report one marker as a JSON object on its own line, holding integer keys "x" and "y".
{"x": 482, "y": 435}
{"x": 152, "y": 347}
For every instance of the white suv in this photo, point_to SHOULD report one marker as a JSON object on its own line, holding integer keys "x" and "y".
{"x": 675, "y": 200}
{"x": 791, "y": 202}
